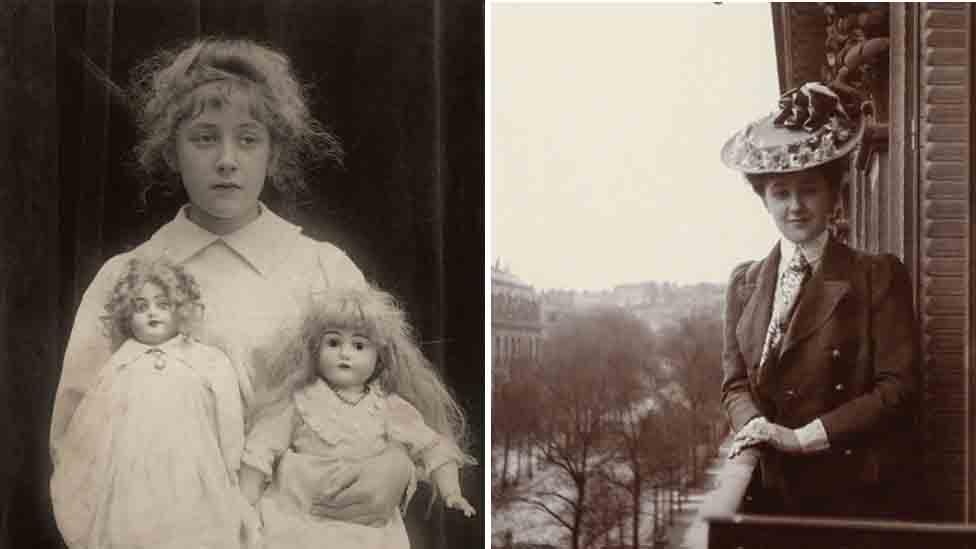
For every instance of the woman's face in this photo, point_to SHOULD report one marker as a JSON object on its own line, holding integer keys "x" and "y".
{"x": 223, "y": 156}
{"x": 800, "y": 204}
{"x": 347, "y": 358}
{"x": 152, "y": 317}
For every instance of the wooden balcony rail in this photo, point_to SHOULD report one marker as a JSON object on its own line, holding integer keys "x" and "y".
{"x": 730, "y": 528}
{"x": 733, "y": 479}
{"x": 745, "y": 531}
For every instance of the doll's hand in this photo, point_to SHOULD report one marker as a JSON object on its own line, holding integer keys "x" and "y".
{"x": 457, "y": 501}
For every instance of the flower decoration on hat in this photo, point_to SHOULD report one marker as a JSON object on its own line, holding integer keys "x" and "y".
{"x": 812, "y": 126}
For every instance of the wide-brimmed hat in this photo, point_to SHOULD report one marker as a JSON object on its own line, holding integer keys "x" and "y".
{"x": 812, "y": 126}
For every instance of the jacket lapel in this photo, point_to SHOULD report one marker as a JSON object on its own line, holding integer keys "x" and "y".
{"x": 754, "y": 321}
{"x": 820, "y": 295}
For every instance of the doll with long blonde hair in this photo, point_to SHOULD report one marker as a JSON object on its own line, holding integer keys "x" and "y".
{"x": 152, "y": 455}
{"x": 353, "y": 380}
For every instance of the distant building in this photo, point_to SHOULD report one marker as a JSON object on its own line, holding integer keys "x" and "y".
{"x": 657, "y": 304}
{"x": 522, "y": 318}
{"x": 556, "y": 306}
{"x": 516, "y": 320}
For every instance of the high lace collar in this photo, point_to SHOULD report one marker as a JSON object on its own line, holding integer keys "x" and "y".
{"x": 328, "y": 415}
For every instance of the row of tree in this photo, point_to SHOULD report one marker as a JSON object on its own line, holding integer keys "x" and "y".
{"x": 609, "y": 411}
{"x": 652, "y": 292}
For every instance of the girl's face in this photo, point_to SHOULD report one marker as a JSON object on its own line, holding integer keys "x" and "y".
{"x": 800, "y": 204}
{"x": 347, "y": 358}
{"x": 152, "y": 318}
{"x": 223, "y": 156}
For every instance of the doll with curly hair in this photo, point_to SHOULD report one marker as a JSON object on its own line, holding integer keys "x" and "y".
{"x": 152, "y": 455}
{"x": 353, "y": 380}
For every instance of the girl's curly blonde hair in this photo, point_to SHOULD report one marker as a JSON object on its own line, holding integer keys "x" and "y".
{"x": 401, "y": 369}
{"x": 180, "y": 287}
{"x": 165, "y": 89}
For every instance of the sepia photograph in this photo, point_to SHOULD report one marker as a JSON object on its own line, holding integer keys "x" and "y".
{"x": 242, "y": 274}
{"x": 731, "y": 275}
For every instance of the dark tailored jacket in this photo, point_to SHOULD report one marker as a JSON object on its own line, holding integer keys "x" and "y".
{"x": 850, "y": 356}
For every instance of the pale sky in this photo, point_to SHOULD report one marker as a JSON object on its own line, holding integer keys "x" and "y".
{"x": 605, "y": 127}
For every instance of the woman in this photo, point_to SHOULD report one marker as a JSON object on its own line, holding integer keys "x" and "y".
{"x": 221, "y": 119}
{"x": 820, "y": 361}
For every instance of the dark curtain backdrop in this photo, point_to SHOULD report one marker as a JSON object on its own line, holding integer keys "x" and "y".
{"x": 401, "y": 82}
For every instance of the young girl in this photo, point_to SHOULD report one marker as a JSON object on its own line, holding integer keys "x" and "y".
{"x": 225, "y": 120}
{"x": 151, "y": 457}
{"x": 356, "y": 382}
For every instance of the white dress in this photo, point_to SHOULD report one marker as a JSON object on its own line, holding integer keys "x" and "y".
{"x": 307, "y": 437}
{"x": 151, "y": 457}
{"x": 254, "y": 282}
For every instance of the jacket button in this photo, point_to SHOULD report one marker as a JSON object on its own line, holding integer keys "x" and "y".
{"x": 839, "y": 387}
{"x": 848, "y": 452}
{"x": 790, "y": 393}
{"x": 835, "y": 354}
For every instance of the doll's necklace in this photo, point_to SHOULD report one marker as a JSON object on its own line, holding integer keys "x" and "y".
{"x": 347, "y": 400}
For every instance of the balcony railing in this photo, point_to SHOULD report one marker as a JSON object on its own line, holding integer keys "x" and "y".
{"x": 731, "y": 527}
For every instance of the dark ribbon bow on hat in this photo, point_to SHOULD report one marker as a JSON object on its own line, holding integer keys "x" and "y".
{"x": 813, "y": 125}
{"x": 809, "y": 107}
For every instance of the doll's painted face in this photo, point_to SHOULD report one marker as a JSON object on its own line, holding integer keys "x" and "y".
{"x": 152, "y": 320}
{"x": 223, "y": 155}
{"x": 800, "y": 204}
{"x": 347, "y": 358}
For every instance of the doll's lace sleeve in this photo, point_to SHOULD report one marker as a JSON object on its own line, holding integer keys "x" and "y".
{"x": 427, "y": 448}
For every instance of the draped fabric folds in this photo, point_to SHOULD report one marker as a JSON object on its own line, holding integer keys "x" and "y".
{"x": 401, "y": 83}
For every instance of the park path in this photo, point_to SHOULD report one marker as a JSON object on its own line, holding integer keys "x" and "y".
{"x": 689, "y": 531}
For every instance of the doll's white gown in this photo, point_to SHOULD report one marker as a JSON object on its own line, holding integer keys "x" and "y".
{"x": 151, "y": 456}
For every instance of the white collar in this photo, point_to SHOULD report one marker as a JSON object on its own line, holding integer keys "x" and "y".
{"x": 813, "y": 250}
{"x": 133, "y": 348}
{"x": 260, "y": 242}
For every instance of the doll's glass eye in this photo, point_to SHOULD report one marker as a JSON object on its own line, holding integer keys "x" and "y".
{"x": 164, "y": 305}
{"x": 331, "y": 341}
{"x": 140, "y": 305}
{"x": 361, "y": 343}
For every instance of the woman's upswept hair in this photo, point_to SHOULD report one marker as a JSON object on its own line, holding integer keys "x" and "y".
{"x": 835, "y": 172}
{"x": 180, "y": 287}
{"x": 164, "y": 89}
{"x": 402, "y": 368}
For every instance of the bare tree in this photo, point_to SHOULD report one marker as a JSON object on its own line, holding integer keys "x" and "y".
{"x": 692, "y": 349}
{"x": 648, "y": 451}
{"x": 588, "y": 375}
{"x": 514, "y": 419}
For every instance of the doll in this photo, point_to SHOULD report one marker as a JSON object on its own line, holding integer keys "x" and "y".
{"x": 353, "y": 381}
{"x": 151, "y": 457}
